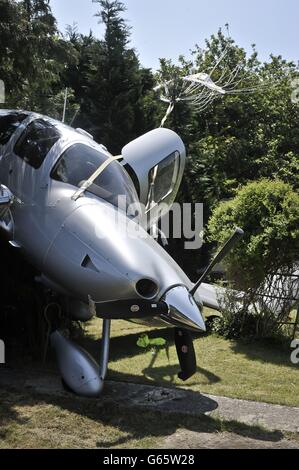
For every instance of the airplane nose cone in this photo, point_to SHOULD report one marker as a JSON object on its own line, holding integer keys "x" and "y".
{"x": 183, "y": 310}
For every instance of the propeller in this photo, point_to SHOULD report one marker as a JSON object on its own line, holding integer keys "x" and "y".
{"x": 183, "y": 338}
{"x": 237, "y": 235}
{"x": 186, "y": 354}
{"x": 127, "y": 309}
{"x": 177, "y": 307}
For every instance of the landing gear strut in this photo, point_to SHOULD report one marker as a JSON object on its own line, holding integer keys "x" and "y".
{"x": 105, "y": 347}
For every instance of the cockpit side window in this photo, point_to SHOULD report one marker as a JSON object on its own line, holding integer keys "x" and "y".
{"x": 36, "y": 142}
{"x": 162, "y": 180}
{"x": 79, "y": 162}
{"x": 9, "y": 122}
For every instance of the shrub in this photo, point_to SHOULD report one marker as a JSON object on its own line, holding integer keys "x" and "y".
{"x": 268, "y": 212}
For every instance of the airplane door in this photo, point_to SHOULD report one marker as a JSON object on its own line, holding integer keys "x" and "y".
{"x": 156, "y": 163}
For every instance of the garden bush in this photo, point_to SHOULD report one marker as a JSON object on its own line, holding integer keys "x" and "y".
{"x": 268, "y": 212}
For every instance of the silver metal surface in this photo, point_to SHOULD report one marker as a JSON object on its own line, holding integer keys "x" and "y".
{"x": 78, "y": 369}
{"x": 78, "y": 249}
{"x": 183, "y": 310}
{"x": 105, "y": 343}
{"x": 145, "y": 153}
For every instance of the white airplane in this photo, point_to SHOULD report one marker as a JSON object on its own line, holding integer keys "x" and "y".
{"x": 59, "y": 194}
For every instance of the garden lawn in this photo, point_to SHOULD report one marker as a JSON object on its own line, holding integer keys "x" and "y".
{"x": 260, "y": 371}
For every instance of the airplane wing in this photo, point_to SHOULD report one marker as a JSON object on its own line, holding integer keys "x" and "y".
{"x": 210, "y": 295}
{"x": 282, "y": 293}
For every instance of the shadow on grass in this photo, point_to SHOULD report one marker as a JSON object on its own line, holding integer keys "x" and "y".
{"x": 123, "y": 347}
{"x": 169, "y": 374}
{"x": 265, "y": 351}
{"x": 137, "y": 423}
{"x": 9, "y": 414}
{"x": 140, "y": 423}
{"x": 164, "y": 376}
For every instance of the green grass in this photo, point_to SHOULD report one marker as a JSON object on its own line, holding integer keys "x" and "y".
{"x": 254, "y": 371}
{"x": 33, "y": 421}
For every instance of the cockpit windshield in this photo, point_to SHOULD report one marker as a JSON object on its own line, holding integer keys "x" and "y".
{"x": 79, "y": 162}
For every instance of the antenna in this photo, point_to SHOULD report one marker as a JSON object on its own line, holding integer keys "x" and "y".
{"x": 65, "y": 105}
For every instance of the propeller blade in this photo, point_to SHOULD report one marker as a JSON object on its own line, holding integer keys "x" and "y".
{"x": 127, "y": 309}
{"x": 186, "y": 353}
{"x": 237, "y": 235}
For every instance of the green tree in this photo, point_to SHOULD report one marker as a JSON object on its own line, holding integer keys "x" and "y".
{"x": 33, "y": 56}
{"x": 115, "y": 85}
{"x": 242, "y": 137}
{"x": 238, "y": 138}
{"x": 262, "y": 264}
{"x": 268, "y": 212}
{"x": 11, "y": 64}
{"x": 86, "y": 49}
